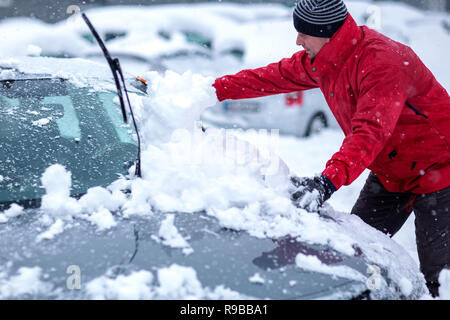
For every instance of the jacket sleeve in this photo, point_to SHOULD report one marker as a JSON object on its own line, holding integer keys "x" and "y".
{"x": 288, "y": 75}
{"x": 382, "y": 96}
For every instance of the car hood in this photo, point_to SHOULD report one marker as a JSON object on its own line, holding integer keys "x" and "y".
{"x": 222, "y": 258}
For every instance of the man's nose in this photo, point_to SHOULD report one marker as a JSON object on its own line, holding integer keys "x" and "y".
{"x": 300, "y": 39}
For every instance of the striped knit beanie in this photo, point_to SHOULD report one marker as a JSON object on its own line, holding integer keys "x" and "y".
{"x": 319, "y": 18}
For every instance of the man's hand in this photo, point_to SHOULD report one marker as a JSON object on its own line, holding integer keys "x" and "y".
{"x": 310, "y": 193}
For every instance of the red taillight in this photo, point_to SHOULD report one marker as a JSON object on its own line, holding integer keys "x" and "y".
{"x": 294, "y": 99}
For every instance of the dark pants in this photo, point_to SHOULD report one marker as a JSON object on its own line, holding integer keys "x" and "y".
{"x": 388, "y": 211}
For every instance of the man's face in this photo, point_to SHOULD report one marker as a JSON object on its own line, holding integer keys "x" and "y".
{"x": 312, "y": 45}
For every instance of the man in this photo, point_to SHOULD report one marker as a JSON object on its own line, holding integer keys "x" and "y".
{"x": 395, "y": 116}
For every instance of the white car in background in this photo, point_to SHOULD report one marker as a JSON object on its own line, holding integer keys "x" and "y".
{"x": 301, "y": 113}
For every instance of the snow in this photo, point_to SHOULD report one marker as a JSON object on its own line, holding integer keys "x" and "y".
{"x": 56, "y": 228}
{"x": 13, "y": 211}
{"x": 27, "y": 281}
{"x": 57, "y": 202}
{"x": 312, "y": 263}
{"x": 174, "y": 282}
{"x": 98, "y": 198}
{"x": 171, "y": 237}
{"x": 5, "y": 74}
{"x": 33, "y": 51}
{"x": 60, "y": 208}
{"x": 103, "y": 219}
{"x": 406, "y": 286}
{"x": 42, "y": 122}
{"x": 444, "y": 280}
{"x": 132, "y": 287}
{"x": 179, "y": 282}
{"x": 256, "y": 278}
{"x": 176, "y": 102}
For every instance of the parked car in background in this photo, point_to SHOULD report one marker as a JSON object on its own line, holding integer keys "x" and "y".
{"x": 298, "y": 113}
{"x": 206, "y": 24}
{"x": 131, "y": 63}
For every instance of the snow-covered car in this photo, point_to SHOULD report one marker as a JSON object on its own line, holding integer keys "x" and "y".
{"x": 58, "y": 112}
{"x": 218, "y": 263}
{"x": 172, "y": 34}
{"x": 135, "y": 35}
{"x": 46, "y": 119}
{"x": 131, "y": 63}
{"x": 144, "y": 50}
{"x": 199, "y": 23}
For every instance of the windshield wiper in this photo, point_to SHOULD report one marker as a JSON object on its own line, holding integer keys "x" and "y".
{"x": 119, "y": 80}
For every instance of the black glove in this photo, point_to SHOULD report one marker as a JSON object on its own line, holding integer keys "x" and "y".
{"x": 311, "y": 193}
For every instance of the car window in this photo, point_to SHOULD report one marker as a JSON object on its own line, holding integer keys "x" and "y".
{"x": 48, "y": 121}
{"x": 107, "y": 36}
{"x": 197, "y": 38}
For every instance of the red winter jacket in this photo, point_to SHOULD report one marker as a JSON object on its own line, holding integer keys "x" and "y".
{"x": 395, "y": 115}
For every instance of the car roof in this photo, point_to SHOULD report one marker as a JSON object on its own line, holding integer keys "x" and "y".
{"x": 80, "y": 71}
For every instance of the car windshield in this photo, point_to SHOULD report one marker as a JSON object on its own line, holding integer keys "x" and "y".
{"x": 48, "y": 121}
